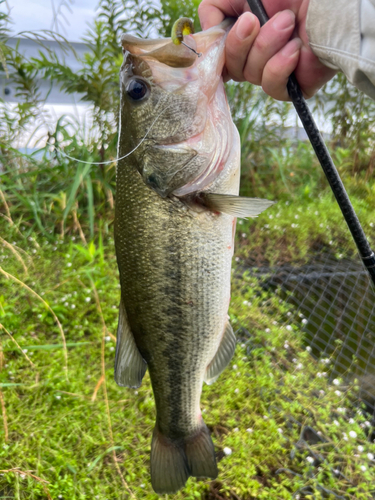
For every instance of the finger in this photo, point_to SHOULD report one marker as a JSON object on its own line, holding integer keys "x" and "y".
{"x": 273, "y": 36}
{"x": 212, "y": 12}
{"x": 238, "y": 43}
{"x": 274, "y": 6}
{"x": 279, "y": 68}
{"x": 311, "y": 73}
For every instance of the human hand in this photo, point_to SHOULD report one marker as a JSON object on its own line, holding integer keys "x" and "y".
{"x": 267, "y": 56}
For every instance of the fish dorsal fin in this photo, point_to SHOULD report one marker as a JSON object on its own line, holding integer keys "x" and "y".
{"x": 238, "y": 206}
{"x": 130, "y": 367}
{"x": 222, "y": 357}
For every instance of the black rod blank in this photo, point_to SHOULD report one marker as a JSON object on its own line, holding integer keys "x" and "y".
{"x": 321, "y": 151}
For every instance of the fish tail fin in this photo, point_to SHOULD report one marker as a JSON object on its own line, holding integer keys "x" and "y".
{"x": 173, "y": 461}
{"x": 200, "y": 454}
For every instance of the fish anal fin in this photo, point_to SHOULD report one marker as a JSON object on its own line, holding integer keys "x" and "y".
{"x": 237, "y": 206}
{"x": 130, "y": 367}
{"x": 222, "y": 357}
{"x": 173, "y": 461}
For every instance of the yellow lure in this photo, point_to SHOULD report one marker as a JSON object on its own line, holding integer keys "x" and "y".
{"x": 183, "y": 26}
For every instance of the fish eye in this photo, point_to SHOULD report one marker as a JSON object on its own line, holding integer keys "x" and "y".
{"x": 137, "y": 89}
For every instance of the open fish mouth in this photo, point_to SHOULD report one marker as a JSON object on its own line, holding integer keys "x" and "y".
{"x": 191, "y": 142}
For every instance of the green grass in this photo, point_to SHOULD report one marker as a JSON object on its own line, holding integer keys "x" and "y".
{"x": 88, "y": 439}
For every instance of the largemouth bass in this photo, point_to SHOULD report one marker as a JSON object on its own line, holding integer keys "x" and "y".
{"x": 176, "y": 207}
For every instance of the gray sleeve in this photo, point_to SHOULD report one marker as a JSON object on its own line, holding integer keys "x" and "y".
{"x": 342, "y": 34}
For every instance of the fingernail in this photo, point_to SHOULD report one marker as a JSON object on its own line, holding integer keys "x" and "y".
{"x": 245, "y": 25}
{"x": 284, "y": 20}
{"x": 292, "y": 47}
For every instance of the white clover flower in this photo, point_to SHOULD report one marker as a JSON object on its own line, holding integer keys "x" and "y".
{"x": 237, "y": 259}
{"x": 24, "y": 350}
{"x": 308, "y": 348}
{"x": 341, "y": 410}
{"x": 370, "y": 456}
{"x": 245, "y": 302}
{"x": 236, "y": 391}
{"x": 136, "y": 393}
{"x": 268, "y": 330}
{"x": 243, "y": 235}
{"x": 299, "y": 366}
{"x": 336, "y": 381}
{"x": 367, "y": 423}
{"x": 73, "y": 306}
{"x": 336, "y": 422}
{"x": 57, "y": 396}
{"x": 336, "y": 471}
{"x": 279, "y": 430}
{"x": 227, "y": 451}
{"x": 345, "y": 438}
{"x": 87, "y": 299}
{"x": 288, "y": 327}
{"x": 363, "y": 468}
{"x": 360, "y": 448}
{"x": 243, "y": 346}
{"x": 265, "y": 417}
{"x": 310, "y": 460}
{"x": 338, "y": 393}
{"x": 142, "y": 485}
{"x": 288, "y": 313}
{"x": 319, "y": 375}
{"x": 107, "y": 338}
{"x": 111, "y": 348}
{"x": 69, "y": 264}
{"x": 251, "y": 430}
{"x": 352, "y": 434}
{"x": 286, "y": 346}
{"x": 351, "y": 421}
{"x": 234, "y": 367}
{"x": 236, "y": 429}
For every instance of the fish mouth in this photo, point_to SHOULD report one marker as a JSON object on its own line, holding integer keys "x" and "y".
{"x": 204, "y": 132}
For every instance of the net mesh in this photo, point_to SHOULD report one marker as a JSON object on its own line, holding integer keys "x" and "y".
{"x": 333, "y": 302}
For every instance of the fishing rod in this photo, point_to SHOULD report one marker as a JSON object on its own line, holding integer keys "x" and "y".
{"x": 325, "y": 160}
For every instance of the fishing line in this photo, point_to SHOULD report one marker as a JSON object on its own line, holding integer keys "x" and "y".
{"x": 100, "y": 162}
{"x": 115, "y": 159}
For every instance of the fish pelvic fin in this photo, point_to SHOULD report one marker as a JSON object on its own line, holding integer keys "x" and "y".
{"x": 237, "y": 206}
{"x": 130, "y": 367}
{"x": 222, "y": 357}
{"x": 173, "y": 461}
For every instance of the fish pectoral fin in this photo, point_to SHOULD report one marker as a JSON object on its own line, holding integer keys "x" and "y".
{"x": 238, "y": 206}
{"x": 130, "y": 367}
{"x": 222, "y": 357}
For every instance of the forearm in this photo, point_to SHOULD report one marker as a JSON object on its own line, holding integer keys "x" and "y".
{"x": 342, "y": 34}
